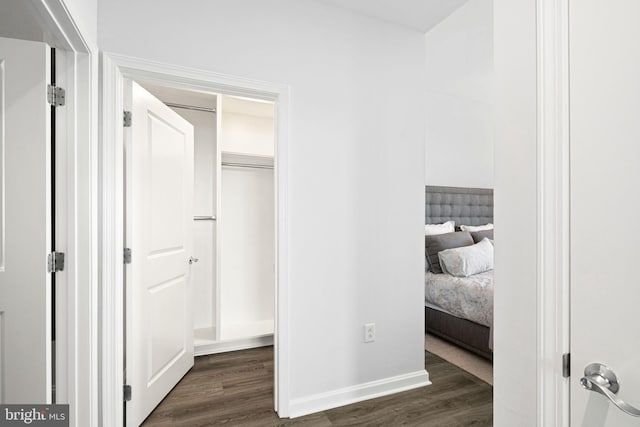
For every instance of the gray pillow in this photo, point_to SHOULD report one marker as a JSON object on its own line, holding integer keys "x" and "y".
{"x": 440, "y": 242}
{"x": 479, "y": 235}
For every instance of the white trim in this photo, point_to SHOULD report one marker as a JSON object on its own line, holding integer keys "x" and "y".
{"x": 65, "y": 229}
{"x": 233, "y": 345}
{"x": 77, "y": 374}
{"x": 553, "y": 210}
{"x": 114, "y": 69}
{"x": 111, "y": 247}
{"x": 62, "y": 29}
{"x": 348, "y": 395}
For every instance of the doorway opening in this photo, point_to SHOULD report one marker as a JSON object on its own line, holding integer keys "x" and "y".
{"x": 199, "y": 193}
{"x": 459, "y": 195}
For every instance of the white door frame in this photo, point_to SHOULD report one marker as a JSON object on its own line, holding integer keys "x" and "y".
{"x": 76, "y": 212}
{"x": 540, "y": 28}
{"x": 114, "y": 69}
{"x": 553, "y": 210}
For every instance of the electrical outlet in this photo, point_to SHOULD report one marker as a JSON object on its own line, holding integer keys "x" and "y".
{"x": 369, "y": 332}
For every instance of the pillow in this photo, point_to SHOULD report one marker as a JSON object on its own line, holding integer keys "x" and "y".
{"x": 434, "y": 229}
{"x": 479, "y": 235}
{"x": 476, "y": 227}
{"x": 468, "y": 260}
{"x": 440, "y": 242}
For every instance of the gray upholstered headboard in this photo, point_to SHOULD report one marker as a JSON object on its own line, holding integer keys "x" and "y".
{"x": 466, "y": 206}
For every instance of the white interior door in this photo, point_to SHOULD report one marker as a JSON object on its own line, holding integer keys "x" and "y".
{"x": 25, "y": 223}
{"x": 605, "y": 204}
{"x": 159, "y": 216}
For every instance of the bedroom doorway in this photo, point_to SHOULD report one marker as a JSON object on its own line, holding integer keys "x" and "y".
{"x": 199, "y": 236}
{"x": 459, "y": 181}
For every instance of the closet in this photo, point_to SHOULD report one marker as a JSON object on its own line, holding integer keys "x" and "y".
{"x": 232, "y": 275}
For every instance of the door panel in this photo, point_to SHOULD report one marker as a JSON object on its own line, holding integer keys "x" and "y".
{"x": 159, "y": 213}
{"x": 25, "y": 223}
{"x": 605, "y": 202}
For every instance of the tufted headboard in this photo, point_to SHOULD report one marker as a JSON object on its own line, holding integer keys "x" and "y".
{"x": 466, "y": 206}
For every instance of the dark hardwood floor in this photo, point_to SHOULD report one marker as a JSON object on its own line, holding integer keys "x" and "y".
{"x": 236, "y": 389}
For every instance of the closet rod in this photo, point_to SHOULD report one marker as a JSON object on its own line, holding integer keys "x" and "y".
{"x": 246, "y": 165}
{"x": 191, "y": 107}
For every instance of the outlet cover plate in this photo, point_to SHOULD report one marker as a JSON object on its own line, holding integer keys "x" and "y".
{"x": 369, "y": 332}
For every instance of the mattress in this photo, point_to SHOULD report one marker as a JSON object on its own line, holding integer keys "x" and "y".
{"x": 470, "y": 298}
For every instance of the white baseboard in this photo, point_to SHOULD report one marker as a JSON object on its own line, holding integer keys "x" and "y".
{"x": 346, "y": 396}
{"x": 233, "y": 345}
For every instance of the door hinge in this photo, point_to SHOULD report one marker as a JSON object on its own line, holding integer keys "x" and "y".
{"x": 126, "y": 119}
{"x": 126, "y": 391}
{"x": 566, "y": 365}
{"x": 55, "y": 262}
{"x": 127, "y": 255}
{"x": 55, "y": 95}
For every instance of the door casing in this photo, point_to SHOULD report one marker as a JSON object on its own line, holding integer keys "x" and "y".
{"x": 531, "y": 60}
{"x": 115, "y": 68}
{"x": 76, "y": 211}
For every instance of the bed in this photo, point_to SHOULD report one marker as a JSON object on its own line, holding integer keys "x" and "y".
{"x": 460, "y": 310}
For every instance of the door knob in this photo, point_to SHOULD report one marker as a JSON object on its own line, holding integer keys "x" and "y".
{"x": 601, "y": 379}
{"x": 192, "y": 260}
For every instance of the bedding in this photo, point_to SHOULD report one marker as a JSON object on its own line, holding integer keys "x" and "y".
{"x": 438, "y": 243}
{"x": 466, "y": 297}
{"x": 467, "y": 260}
{"x": 434, "y": 229}
{"x": 477, "y": 236}
{"x": 471, "y": 228}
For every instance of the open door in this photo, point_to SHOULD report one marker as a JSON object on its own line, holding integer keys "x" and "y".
{"x": 605, "y": 208}
{"x": 159, "y": 215}
{"x": 25, "y": 223}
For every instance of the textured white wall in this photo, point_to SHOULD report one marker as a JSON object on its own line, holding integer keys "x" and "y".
{"x": 356, "y": 202}
{"x": 459, "y": 98}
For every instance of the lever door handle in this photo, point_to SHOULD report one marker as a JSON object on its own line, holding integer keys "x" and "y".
{"x": 599, "y": 378}
{"x": 192, "y": 260}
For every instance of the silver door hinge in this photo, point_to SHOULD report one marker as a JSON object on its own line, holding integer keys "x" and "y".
{"x": 566, "y": 365}
{"x": 55, "y": 95}
{"x": 126, "y": 389}
{"x": 127, "y": 255}
{"x": 55, "y": 262}
{"x": 126, "y": 119}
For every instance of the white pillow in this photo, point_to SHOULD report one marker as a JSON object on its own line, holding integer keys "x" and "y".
{"x": 472, "y": 228}
{"x": 434, "y": 229}
{"x": 467, "y": 260}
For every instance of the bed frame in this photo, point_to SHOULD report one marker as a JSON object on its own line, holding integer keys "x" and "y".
{"x": 469, "y": 206}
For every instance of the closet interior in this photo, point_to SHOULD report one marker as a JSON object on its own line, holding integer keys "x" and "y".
{"x": 233, "y": 280}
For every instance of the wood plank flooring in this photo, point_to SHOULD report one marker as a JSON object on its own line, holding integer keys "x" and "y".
{"x": 236, "y": 389}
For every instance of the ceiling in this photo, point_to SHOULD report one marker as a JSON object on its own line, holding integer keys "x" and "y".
{"x": 420, "y": 15}
{"x": 19, "y": 20}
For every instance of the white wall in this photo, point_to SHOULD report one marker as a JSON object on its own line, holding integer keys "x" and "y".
{"x": 459, "y": 116}
{"x": 515, "y": 358}
{"x": 85, "y": 15}
{"x": 356, "y": 202}
{"x": 245, "y": 134}
{"x": 247, "y": 252}
{"x": 203, "y": 272}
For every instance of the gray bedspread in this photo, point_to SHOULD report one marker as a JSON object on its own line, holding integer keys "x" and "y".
{"x": 466, "y": 297}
